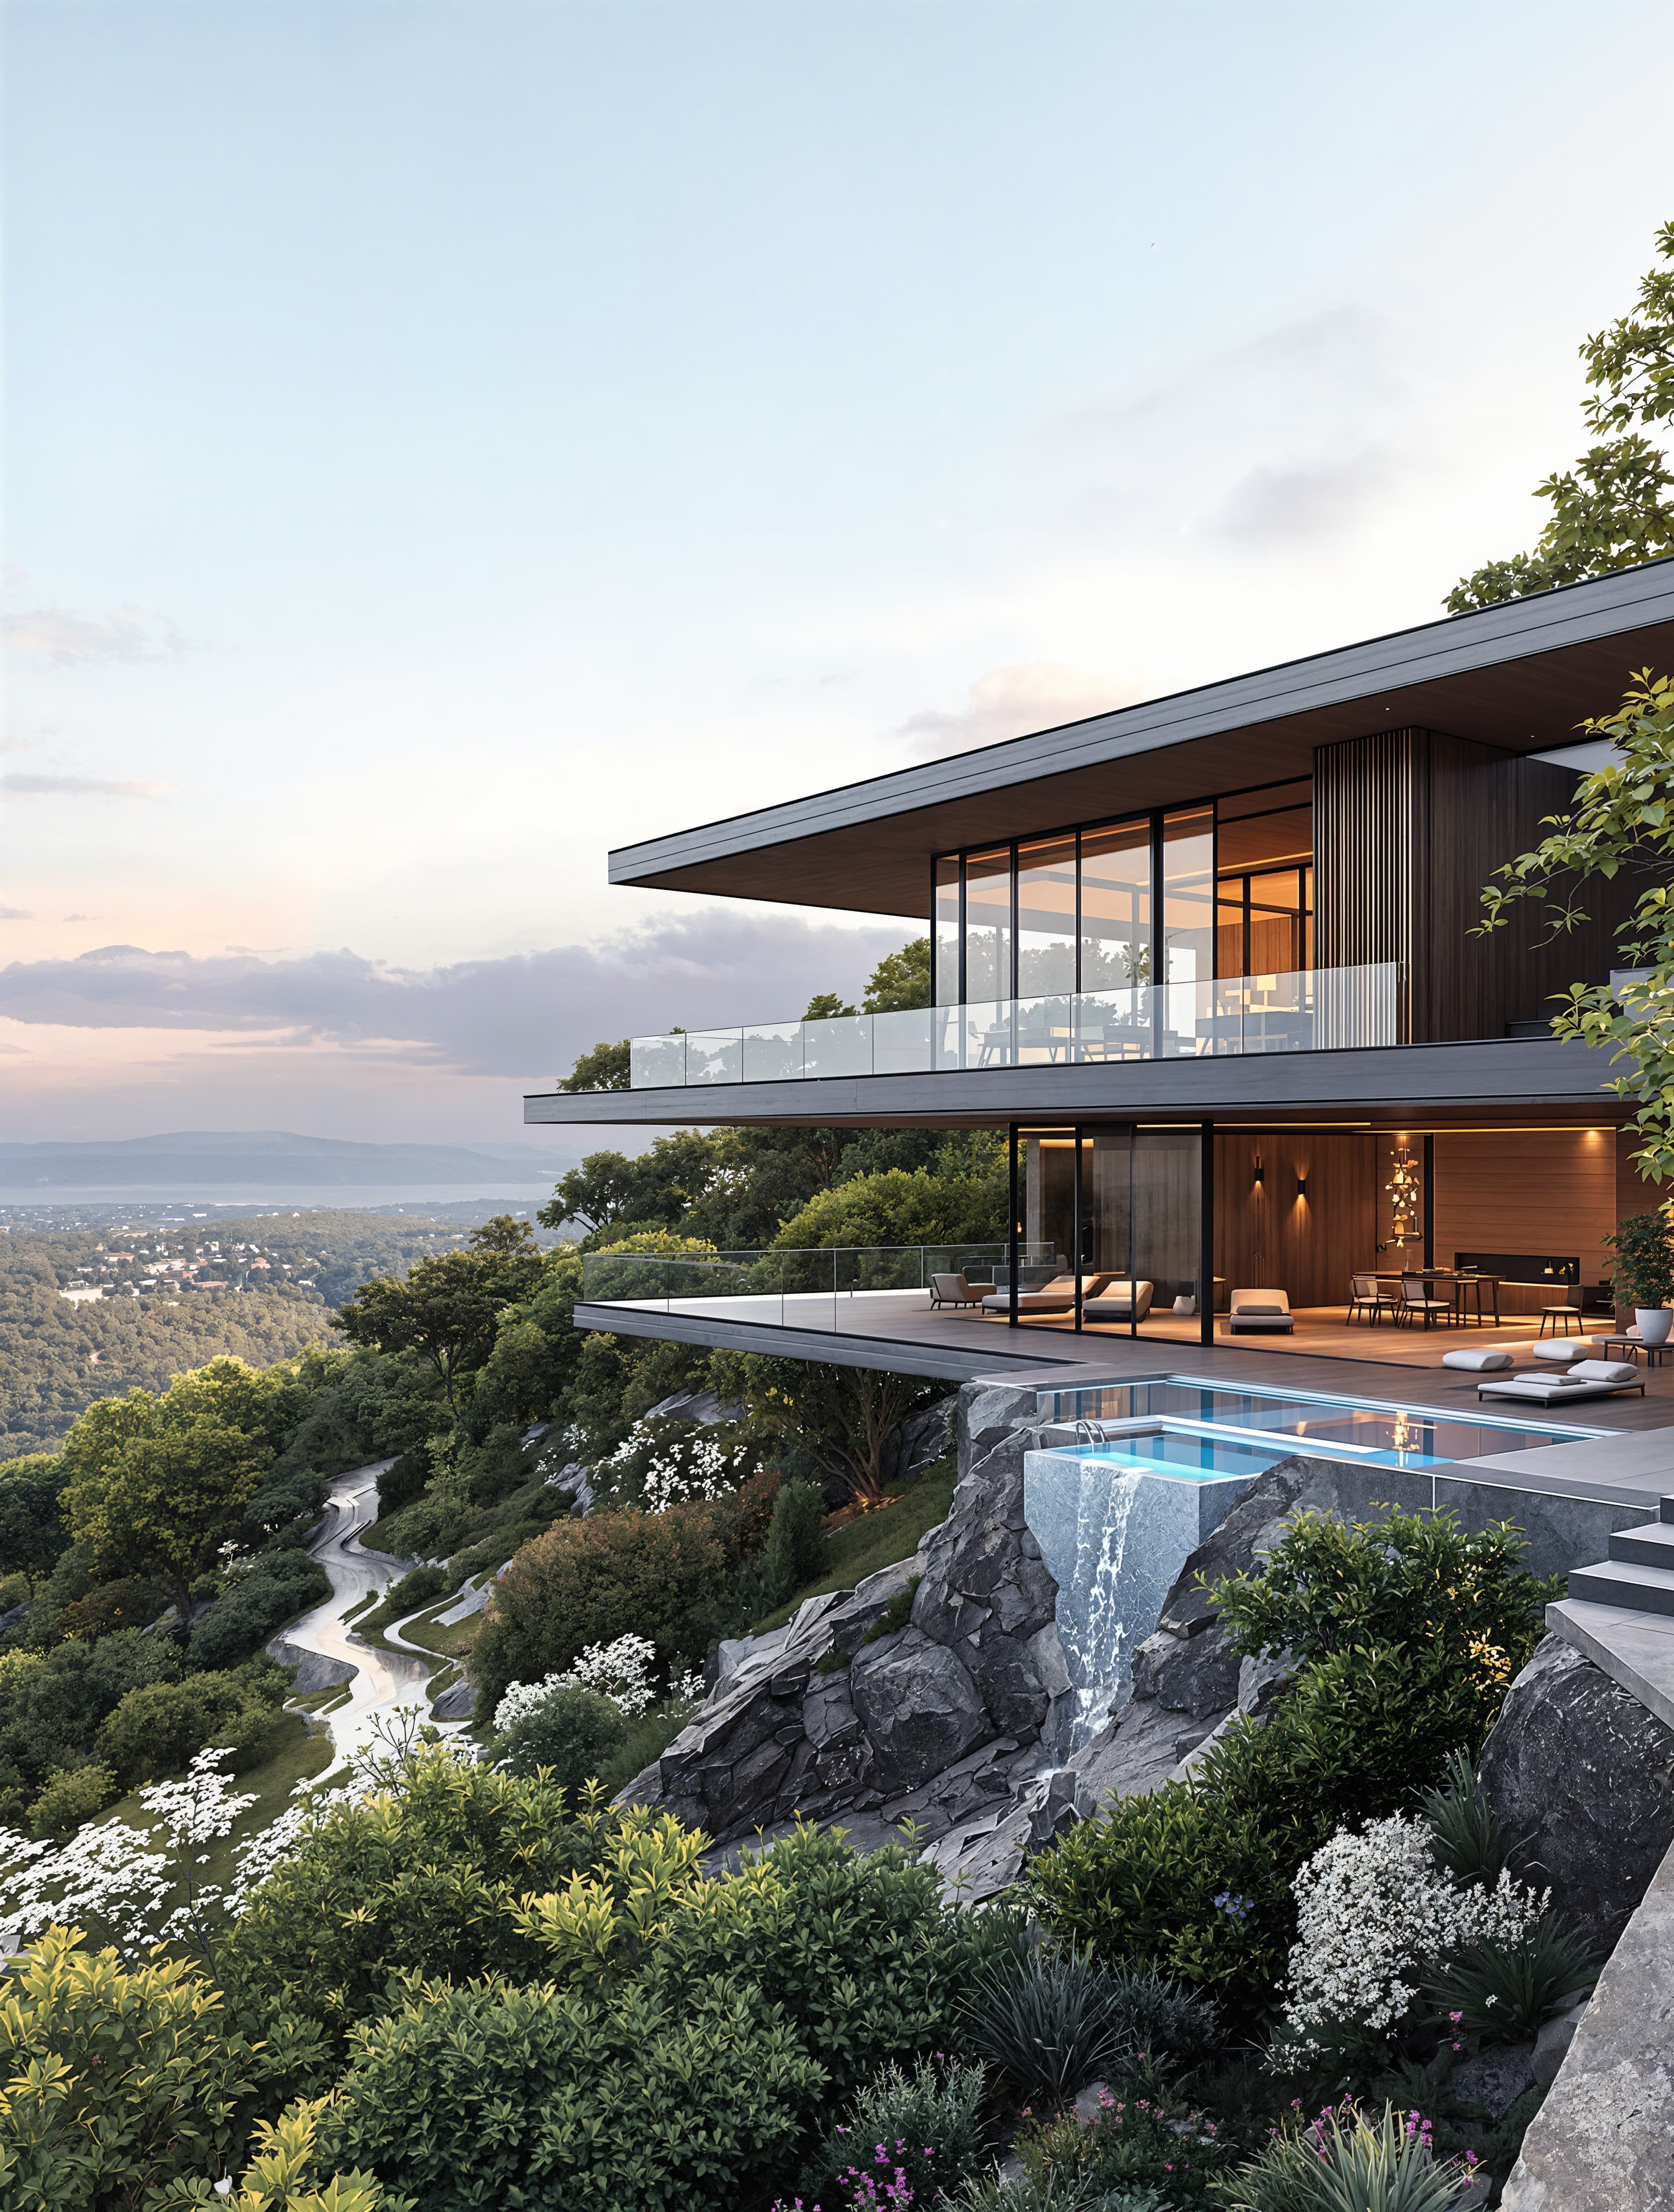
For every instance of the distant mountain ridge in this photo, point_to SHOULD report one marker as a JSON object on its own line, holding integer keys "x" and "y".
{"x": 269, "y": 1159}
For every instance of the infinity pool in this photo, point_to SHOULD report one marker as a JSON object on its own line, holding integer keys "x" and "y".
{"x": 1196, "y": 1430}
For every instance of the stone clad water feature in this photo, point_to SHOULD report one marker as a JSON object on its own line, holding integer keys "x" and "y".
{"x": 1114, "y": 1537}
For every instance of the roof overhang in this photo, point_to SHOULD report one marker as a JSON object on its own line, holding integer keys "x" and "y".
{"x": 1521, "y": 676}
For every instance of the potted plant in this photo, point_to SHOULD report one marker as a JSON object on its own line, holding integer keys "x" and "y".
{"x": 1644, "y": 1247}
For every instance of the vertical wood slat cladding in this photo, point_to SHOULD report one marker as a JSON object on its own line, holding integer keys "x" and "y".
{"x": 1527, "y": 1190}
{"x": 1409, "y": 825}
{"x": 1267, "y": 1238}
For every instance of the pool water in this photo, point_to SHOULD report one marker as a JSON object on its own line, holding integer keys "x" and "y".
{"x": 1191, "y": 1428}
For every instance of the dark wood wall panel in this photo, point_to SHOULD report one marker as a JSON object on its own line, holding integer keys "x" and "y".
{"x": 1526, "y": 1190}
{"x": 1409, "y": 825}
{"x": 1266, "y": 1236}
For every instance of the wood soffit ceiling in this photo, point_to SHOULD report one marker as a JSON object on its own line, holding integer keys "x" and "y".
{"x": 1521, "y": 676}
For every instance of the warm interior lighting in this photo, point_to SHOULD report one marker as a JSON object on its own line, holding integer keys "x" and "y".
{"x": 1301, "y": 1186}
{"x": 1259, "y": 1171}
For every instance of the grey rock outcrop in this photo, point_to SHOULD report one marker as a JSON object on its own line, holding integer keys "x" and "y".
{"x": 1602, "y": 2140}
{"x": 858, "y": 1710}
{"x": 1581, "y": 1776}
{"x": 314, "y": 1671}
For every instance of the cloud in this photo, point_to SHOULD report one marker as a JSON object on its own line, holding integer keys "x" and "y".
{"x": 1273, "y": 506}
{"x": 64, "y": 639}
{"x": 80, "y": 787}
{"x": 1010, "y": 702}
{"x": 500, "y": 1016}
{"x": 16, "y": 914}
{"x": 17, "y": 745}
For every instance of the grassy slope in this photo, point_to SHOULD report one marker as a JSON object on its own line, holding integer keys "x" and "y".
{"x": 879, "y": 1540}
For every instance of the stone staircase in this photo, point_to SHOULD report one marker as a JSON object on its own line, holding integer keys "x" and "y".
{"x": 1620, "y": 1611}
{"x": 1638, "y": 1573}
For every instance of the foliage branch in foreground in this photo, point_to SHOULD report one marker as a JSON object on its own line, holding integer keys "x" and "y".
{"x": 1623, "y": 821}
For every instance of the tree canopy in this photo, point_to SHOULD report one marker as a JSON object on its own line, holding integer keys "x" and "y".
{"x": 1623, "y": 819}
{"x": 448, "y": 1307}
{"x": 1614, "y": 507}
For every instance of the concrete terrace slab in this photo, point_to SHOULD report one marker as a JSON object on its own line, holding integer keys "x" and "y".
{"x": 1634, "y": 1649}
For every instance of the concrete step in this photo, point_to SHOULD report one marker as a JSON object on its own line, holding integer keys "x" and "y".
{"x": 1650, "y": 1544}
{"x": 1618, "y": 1582}
{"x": 1635, "y": 1649}
{"x": 1665, "y": 1509}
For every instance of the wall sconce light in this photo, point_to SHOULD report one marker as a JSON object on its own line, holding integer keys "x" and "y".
{"x": 1258, "y": 1170}
{"x": 1301, "y": 1186}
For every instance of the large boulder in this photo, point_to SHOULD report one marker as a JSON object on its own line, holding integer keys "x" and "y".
{"x": 859, "y": 1711}
{"x": 1581, "y": 1776}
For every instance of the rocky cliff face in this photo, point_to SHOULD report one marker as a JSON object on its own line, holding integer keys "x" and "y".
{"x": 923, "y": 1693}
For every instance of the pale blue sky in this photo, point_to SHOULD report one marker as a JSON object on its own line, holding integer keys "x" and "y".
{"x": 445, "y": 439}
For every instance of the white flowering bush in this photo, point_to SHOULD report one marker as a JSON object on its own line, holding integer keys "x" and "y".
{"x": 661, "y": 1463}
{"x": 1373, "y": 1910}
{"x": 621, "y": 1671}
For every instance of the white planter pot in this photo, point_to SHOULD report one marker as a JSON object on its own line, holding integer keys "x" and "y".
{"x": 1653, "y": 1323}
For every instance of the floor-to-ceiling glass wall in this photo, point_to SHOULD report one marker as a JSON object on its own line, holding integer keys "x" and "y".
{"x": 1127, "y": 1202}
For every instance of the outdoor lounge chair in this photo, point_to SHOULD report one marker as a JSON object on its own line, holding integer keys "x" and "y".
{"x": 1119, "y": 1301}
{"x": 1056, "y": 1296}
{"x": 954, "y": 1291}
{"x": 1588, "y": 1378}
{"x": 1260, "y": 1309}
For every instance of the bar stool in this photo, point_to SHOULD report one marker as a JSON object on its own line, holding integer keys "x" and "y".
{"x": 1566, "y": 1314}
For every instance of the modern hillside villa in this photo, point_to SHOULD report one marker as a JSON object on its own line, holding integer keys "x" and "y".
{"x": 1308, "y": 1210}
{"x": 1208, "y": 961}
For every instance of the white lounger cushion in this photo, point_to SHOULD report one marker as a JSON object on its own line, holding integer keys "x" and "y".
{"x": 1562, "y": 1350}
{"x": 1605, "y": 1370}
{"x": 1480, "y": 1361}
{"x": 1548, "y": 1390}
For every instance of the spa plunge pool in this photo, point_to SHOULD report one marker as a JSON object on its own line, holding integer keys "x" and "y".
{"x": 1133, "y": 1477}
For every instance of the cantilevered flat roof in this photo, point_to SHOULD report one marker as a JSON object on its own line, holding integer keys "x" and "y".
{"x": 1520, "y": 676}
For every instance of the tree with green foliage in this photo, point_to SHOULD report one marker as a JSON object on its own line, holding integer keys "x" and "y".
{"x": 842, "y": 1418}
{"x": 608, "y": 1191}
{"x": 32, "y": 1527}
{"x": 448, "y": 1307}
{"x": 1621, "y": 824}
{"x": 166, "y": 1502}
{"x": 897, "y": 1208}
{"x": 1615, "y": 508}
{"x": 901, "y": 980}
{"x": 607, "y": 1067}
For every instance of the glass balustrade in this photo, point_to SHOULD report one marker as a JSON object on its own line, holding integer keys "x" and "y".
{"x": 824, "y": 1286}
{"x": 1312, "y": 1009}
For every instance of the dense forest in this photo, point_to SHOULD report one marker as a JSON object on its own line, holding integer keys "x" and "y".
{"x": 258, "y": 1288}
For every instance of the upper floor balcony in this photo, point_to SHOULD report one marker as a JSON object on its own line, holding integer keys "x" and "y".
{"x": 1309, "y": 1010}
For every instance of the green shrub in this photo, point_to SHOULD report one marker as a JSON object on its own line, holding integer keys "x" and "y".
{"x": 660, "y": 1575}
{"x": 402, "y": 1482}
{"x": 52, "y": 1704}
{"x": 156, "y": 1730}
{"x": 637, "y": 2098}
{"x": 927, "y": 2124}
{"x": 428, "y": 1875}
{"x": 1054, "y": 2189}
{"x": 419, "y": 1586}
{"x": 73, "y": 1794}
{"x": 1411, "y": 1579}
{"x": 573, "y": 1732}
{"x": 796, "y": 1548}
{"x": 1134, "y": 2141}
{"x": 1464, "y": 1829}
{"x": 118, "y": 2080}
{"x": 1503, "y": 1990}
{"x": 646, "y": 1740}
{"x": 1195, "y": 1878}
{"x": 1342, "y": 2162}
{"x": 1048, "y": 2022}
{"x": 256, "y": 1604}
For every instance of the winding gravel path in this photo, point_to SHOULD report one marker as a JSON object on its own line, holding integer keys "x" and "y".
{"x": 384, "y": 1682}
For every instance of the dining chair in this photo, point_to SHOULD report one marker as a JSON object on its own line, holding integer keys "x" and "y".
{"x": 1367, "y": 1296}
{"x": 1416, "y": 1299}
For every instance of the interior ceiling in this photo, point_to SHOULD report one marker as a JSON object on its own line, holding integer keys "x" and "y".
{"x": 1531, "y": 703}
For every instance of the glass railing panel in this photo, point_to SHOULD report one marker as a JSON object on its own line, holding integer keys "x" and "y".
{"x": 1044, "y": 1030}
{"x": 1316, "y": 1009}
{"x": 903, "y": 1044}
{"x": 656, "y": 1063}
{"x": 841, "y": 1047}
{"x": 1112, "y": 1025}
{"x": 715, "y": 1057}
{"x": 773, "y": 1051}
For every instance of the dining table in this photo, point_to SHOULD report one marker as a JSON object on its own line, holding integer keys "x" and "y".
{"x": 1460, "y": 1283}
